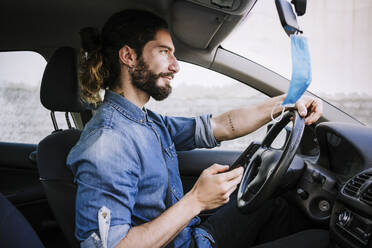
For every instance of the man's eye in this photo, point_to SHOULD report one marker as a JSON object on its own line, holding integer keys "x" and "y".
{"x": 164, "y": 51}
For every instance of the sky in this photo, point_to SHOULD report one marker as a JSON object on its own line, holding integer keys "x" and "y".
{"x": 338, "y": 33}
{"x": 22, "y": 67}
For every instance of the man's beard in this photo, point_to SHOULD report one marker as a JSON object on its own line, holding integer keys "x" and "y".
{"x": 145, "y": 79}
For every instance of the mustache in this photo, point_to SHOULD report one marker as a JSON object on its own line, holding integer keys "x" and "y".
{"x": 165, "y": 74}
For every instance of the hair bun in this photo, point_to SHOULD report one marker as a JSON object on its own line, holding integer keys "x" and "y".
{"x": 90, "y": 39}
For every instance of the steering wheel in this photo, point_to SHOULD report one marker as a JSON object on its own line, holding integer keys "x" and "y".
{"x": 263, "y": 170}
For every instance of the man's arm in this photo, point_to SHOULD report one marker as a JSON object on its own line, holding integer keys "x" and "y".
{"x": 211, "y": 190}
{"x": 240, "y": 122}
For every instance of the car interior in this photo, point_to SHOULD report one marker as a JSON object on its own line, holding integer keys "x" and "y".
{"x": 324, "y": 169}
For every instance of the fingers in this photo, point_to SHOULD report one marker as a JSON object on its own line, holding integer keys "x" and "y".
{"x": 226, "y": 197}
{"x": 233, "y": 173}
{"x": 301, "y": 108}
{"x": 314, "y": 106}
{"x": 231, "y": 187}
{"x": 231, "y": 190}
{"x": 316, "y": 111}
{"x": 312, "y": 118}
{"x": 216, "y": 168}
{"x": 236, "y": 180}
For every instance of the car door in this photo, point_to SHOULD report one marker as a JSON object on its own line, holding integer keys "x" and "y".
{"x": 23, "y": 123}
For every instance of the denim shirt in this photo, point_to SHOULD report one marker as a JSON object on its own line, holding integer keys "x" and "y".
{"x": 122, "y": 162}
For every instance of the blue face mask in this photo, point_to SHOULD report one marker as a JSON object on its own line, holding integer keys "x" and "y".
{"x": 301, "y": 70}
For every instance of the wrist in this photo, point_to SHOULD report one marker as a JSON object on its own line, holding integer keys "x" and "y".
{"x": 280, "y": 99}
{"x": 193, "y": 202}
{"x": 273, "y": 106}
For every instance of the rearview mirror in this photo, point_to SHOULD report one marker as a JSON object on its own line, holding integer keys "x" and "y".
{"x": 300, "y": 6}
{"x": 287, "y": 17}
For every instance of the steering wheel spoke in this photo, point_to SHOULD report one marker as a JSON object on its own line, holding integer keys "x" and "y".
{"x": 245, "y": 158}
{"x": 264, "y": 169}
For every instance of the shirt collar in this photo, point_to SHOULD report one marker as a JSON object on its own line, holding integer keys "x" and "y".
{"x": 125, "y": 107}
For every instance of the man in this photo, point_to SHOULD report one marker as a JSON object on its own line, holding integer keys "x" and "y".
{"x": 125, "y": 163}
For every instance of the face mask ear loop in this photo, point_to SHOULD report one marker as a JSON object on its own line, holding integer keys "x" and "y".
{"x": 279, "y": 118}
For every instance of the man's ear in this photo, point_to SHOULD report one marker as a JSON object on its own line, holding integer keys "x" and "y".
{"x": 127, "y": 56}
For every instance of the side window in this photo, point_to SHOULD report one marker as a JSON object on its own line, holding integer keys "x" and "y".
{"x": 199, "y": 91}
{"x": 22, "y": 117}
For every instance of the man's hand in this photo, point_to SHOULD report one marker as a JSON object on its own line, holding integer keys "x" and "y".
{"x": 213, "y": 188}
{"x": 309, "y": 107}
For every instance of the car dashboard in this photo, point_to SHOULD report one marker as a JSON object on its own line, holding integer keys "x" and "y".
{"x": 337, "y": 186}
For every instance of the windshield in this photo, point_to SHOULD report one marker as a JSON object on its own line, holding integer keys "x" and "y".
{"x": 339, "y": 39}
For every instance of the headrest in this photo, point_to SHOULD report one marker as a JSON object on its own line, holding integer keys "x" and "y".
{"x": 60, "y": 90}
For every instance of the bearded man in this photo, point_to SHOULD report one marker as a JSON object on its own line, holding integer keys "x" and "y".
{"x": 125, "y": 164}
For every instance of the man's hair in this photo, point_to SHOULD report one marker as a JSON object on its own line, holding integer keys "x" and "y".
{"x": 99, "y": 62}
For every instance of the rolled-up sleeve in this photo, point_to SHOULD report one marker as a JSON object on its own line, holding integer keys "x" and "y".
{"x": 204, "y": 137}
{"x": 105, "y": 166}
{"x": 190, "y": 133}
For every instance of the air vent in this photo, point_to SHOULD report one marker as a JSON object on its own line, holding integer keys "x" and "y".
{"x": 367, "y": 196}
{"x": 353, "y": 186}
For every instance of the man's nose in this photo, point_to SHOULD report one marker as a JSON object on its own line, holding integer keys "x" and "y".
{"x": 174, "y": 66}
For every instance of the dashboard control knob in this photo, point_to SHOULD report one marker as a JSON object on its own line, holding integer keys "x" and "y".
{"x": 344, "y": 217}
{"x": 324, "y": 205}
{"x": 302, "y": 194}
{"x": 317, "y": 177}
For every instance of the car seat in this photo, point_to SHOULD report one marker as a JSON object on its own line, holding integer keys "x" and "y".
{"x": 15, "y": 231}
{"x": 60, "y": 91}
